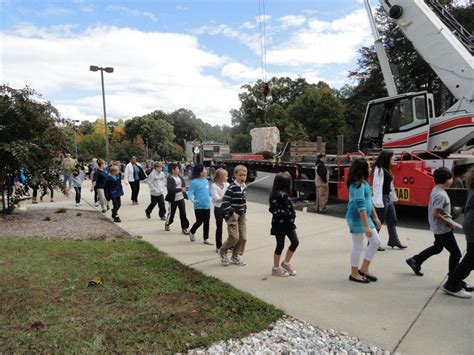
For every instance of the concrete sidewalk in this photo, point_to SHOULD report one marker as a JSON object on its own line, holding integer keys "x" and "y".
{"x": 401, "y": 312}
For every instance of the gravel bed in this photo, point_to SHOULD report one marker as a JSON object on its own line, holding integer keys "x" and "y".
{"x": 60, "y": 223}
{"x": 293, "y": 336}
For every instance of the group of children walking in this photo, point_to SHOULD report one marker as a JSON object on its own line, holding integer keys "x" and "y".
{"x": 230, "y": 204}
{"x": 107, "y": 187}
{"x": 363, "y": 220}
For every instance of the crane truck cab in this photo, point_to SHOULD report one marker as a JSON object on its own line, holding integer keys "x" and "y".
{"x": 398, "y": 123}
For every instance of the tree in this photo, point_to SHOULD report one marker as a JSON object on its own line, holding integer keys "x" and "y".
{"x": 30, "y": 138}
{"x": 321, "y": 112}
{"x": 91, "y": 146}
{"x": 85, "y": 128}
{"x": 185, "y": 126}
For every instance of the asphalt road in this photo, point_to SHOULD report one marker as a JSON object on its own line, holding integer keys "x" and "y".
{"x": 408, "y": 216}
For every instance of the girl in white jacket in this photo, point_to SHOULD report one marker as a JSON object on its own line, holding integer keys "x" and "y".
{"x": 157, "y": 183}
{"x": 384, "y": 196}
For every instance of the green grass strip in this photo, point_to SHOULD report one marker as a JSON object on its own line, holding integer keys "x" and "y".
{"x": 148, "y": 302}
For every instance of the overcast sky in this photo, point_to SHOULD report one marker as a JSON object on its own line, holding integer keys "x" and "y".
{"x": 172, "y": 54}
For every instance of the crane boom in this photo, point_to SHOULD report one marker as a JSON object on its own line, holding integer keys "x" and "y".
{"x": 443, "y": 47}
{"x": 381, "y": 55}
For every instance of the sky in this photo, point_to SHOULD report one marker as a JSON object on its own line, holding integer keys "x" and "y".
{"x": 172, "y": 54}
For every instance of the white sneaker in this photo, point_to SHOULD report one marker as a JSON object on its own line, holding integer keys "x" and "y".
{"x": 461, "y": 293}
{"x": 78, "y": 204}
{"x": 237, "y": 260}
{"x": 207, "y": 242}
{"x": 97, "y": 204}
{"x": 192, "y": 237}
{"x": 224, "y": 258}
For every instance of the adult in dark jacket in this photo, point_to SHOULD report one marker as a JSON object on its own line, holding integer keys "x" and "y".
{"x": 322, "y": 184}
{"x": 176, "y": 196}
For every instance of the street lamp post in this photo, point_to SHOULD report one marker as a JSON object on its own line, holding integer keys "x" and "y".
{"x": 75, "y": 138}
{"x": 107, "y": 70}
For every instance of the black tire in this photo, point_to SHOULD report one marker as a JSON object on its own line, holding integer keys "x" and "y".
{"x": 306, "y": 195}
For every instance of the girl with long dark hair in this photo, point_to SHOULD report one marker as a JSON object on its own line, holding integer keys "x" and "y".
{"x": 384, "y": 196}
{"x": 358, "y": 216}
{"x": 283, "y": 224}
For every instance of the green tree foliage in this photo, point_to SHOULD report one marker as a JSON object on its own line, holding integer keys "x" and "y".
{"x": 30, "y": 137}
{"x": 321, "y": 113}
{"x": 86, "y": 127}
{"x": 91, "y": 146}
{"x": 298, "y": 109}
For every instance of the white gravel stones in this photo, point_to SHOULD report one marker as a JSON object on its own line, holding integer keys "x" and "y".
{"x": 293, "y": 336}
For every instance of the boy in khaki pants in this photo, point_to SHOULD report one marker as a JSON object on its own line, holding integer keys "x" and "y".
{"x": 234, "y": 205}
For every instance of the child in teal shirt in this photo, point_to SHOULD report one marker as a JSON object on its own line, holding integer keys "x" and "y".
{"x": 200, "y": 194}
{"x": 358, "y": 216}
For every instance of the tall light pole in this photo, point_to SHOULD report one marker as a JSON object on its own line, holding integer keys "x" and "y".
{"x": 75, "y": 138}
{"x": 107, "y": 70}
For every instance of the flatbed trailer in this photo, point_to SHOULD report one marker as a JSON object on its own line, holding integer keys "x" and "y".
{"x": 413, "y": 178}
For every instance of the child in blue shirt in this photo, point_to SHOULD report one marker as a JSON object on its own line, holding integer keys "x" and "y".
{"x": 200, "y": 195}
{"x": 358, "y": 216}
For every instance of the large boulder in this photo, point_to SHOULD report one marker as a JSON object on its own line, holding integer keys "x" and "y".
{"x": 265, "y": 139}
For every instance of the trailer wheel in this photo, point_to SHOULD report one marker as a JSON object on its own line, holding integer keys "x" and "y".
{"x": 306, "y": 195}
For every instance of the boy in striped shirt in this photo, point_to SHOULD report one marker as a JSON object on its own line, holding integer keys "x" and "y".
{"x": 234, "y": 205}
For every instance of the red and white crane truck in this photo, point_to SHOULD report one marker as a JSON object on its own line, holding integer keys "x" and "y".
{"x": 406, "y": 123}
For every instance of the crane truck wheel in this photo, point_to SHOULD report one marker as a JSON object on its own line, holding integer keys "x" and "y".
{"x": 395, "y": 12}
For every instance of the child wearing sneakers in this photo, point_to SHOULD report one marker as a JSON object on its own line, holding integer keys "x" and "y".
{"x": 200, "y": 195}
{"x": 98, "y": 184}
{"x": 176, "y": 196}
{"x": 441, "y": 224}
{"x": 234, "y": 205}
{"x": 283, "y": 224}
{"x": 157, "y": 182}
{"x": 114, "y": 191}
{"x": 218, "y": 190}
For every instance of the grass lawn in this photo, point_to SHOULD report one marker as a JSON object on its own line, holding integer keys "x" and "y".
{"x": 148, "y": 301}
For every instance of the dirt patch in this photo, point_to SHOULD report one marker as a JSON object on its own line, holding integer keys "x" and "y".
{"x": 187, "y": 308}
{"x": 66, "y": 224}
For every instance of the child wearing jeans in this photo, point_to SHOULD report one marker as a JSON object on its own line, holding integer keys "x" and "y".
{"x": 200, "y": 196}
{"x": 358, "y": 217}
{"x": 218, "y": 190}
{"x": 77, "y": 178}
{"x": 283, "y": 224}
{"x": 441, "y": 224}
{"x": 114, "y": 191}
{"x": 98, "y": 184}
{"x": 234, "y": 205}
